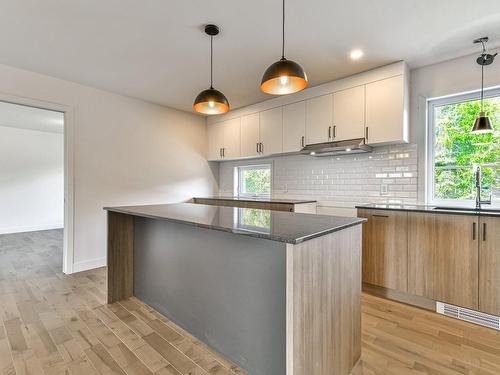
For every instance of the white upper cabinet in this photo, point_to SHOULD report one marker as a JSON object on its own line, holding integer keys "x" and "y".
{"x": 386, "y": 111}
{"x": 271, "y": 131}
{"x": 319, "y": 119}
{"x": 250, "y": 135}
{"x": 349, "y": 113}
{"x": 373, "y": 105}
{"x": 215, "y": 141}
{"x": 294, "y": 126}
{"x": 232, "y": 138}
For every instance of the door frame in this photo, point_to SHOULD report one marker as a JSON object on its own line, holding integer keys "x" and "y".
{"x": 69, "y": 192}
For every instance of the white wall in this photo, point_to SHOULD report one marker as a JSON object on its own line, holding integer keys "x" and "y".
{"x": 31, "y": 180}
{"x": 447, "y": 78}
{"x": 126, "y": 152}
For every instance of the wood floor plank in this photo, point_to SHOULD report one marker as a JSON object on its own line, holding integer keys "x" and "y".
{"x": 178, "y": 359}
{"x": 56, "y": 324}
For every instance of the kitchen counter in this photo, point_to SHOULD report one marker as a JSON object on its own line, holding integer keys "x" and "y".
{"x": 289, "y": 205}
{"x": 485, "y": 211}
{"x": 259, "y": 199}
{"x": 275, "y": 292}
{"x": 271, "y": 225}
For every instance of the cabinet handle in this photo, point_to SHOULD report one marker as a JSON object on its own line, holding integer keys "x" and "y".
{"x": 473, "y": 231}
{"x": 484, "y": 231}
{"x": 334, "y": 131}
{"x": 223, "y": 152}
{"x": 366, "y": 133}
{"x": 257, "y": 144}
{"x": 261, "y": 147}
{"x": 329, "y": 132}
{"x": 302, "y": 141}
{"x": 220, "y": 152}
{"x": 380, "y": 215}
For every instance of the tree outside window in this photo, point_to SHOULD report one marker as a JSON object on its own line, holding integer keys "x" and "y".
{"x": 457, "y": 152}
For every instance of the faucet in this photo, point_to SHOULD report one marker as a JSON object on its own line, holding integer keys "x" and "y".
{"x": 479, "y": 202}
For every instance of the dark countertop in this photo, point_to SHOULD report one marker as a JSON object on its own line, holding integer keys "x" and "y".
{"x": 259, "y": 199}
{"x": 485, "y": 211}
{"x": 289, "y": 227}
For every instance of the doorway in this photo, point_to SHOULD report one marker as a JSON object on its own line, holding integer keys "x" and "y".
{"x": 34, "y": 182}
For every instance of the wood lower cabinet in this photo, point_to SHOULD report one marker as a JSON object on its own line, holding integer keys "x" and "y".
{"x": 385, "y": 249}
{"x": 443, "y": 258}
{"x": 489, "y": 264}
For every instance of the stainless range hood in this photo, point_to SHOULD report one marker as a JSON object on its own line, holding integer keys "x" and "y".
{"x": 347, "y": 147}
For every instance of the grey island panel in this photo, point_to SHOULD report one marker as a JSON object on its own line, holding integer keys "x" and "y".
{"x": 289, "y": 227}
{"x": 228, "y": 291}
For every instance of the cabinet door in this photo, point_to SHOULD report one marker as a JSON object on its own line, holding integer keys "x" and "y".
{"x": 319, "y": 118}
{"x": 489, "y": 265}
{"x": 271, "y": 131}
{"x": 249, "y": 134}
{"x": 232, "y": 138}
{"x": 443, "y": 258}
{"x": 294, "y": 126}
{"x": 385, "y": 249}
{"x": 215, "y": 141}
{"x": 349, "y": 113}
{"x": 385, "y": 119}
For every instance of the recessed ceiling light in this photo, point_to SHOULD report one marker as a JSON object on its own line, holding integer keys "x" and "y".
{"x": 356, "y": 54}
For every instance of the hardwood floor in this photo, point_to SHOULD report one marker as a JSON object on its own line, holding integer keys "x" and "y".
{"x": 51, "y": 323}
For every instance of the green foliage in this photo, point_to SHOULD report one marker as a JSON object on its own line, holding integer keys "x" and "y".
{"x": 257, "y": 181}
{"x": 457, "y": 151}
{"x": 256, "y": 218}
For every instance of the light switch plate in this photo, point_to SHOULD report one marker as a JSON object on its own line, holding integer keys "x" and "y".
{"x": 384, "y": 189}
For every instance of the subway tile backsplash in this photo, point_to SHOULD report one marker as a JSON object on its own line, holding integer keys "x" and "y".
{"x": 387, "y": 175}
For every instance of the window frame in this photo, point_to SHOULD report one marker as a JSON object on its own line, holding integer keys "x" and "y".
{"x": 432, "y": 103}
{"x": 239, "y": 181}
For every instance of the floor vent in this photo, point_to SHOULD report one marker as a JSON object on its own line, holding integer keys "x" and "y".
{"x": 471, "y": 316}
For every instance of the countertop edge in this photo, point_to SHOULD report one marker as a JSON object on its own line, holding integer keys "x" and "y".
{"x": 271, "y": 200}
{"x": 430, "y": 210}
{"x": 356, "y": 221}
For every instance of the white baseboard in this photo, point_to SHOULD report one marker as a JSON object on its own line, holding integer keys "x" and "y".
{"x": 89, "y": 264}
{"x": 32, "y": 228}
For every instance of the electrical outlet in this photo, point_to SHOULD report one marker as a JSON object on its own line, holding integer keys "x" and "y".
{"x": 384, "y": 189}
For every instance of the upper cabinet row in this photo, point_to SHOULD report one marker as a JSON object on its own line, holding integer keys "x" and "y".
{"x": 375, "y": 111}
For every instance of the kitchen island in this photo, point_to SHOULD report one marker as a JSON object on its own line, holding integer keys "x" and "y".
{"x": 275, "y": 292}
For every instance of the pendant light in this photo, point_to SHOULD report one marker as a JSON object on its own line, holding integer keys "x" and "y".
{"x": 211, "y": 101}
{"x": 483, "y": 123}
{"x": 284, "y": 76}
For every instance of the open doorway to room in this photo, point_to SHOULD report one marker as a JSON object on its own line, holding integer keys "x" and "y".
{"x": 32, "y": 189}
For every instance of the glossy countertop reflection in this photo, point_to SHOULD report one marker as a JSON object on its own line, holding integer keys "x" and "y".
{"x": 289, "y": 227}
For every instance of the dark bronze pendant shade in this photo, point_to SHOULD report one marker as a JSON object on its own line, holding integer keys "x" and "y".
{"x": 482, "y": 124}
{"x": 211, "y": 101}
{"x": 284, "y": 76}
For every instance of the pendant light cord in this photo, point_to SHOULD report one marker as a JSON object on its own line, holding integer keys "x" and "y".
{"x": 211, "y": 62}
{"x": 482, "y": 86}
{"x": 283, "y": 34}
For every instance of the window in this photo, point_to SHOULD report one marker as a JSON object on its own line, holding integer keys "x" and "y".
{"x": 454, "y": 152}
{"x": 254, "y": 180}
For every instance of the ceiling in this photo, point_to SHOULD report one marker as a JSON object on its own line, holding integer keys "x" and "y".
{"x": 155, "y": 49}
{"x": 24, "y": 117}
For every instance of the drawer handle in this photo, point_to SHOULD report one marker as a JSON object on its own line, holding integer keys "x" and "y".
{"x": 380, "y": 215}
{"x": 484, "y": 231}
{"x": 473, "y": 231}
